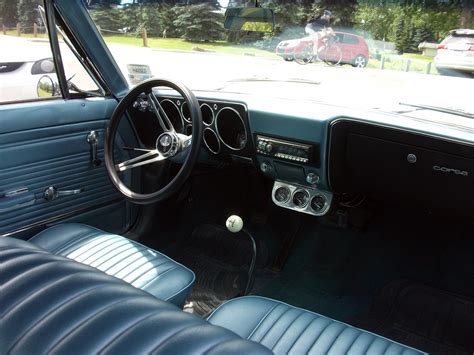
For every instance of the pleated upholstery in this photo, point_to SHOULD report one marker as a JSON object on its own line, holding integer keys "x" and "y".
{"x": 285, "y": 329}
{"x": 120, "y": 257}
{"x": 51, "y": 304}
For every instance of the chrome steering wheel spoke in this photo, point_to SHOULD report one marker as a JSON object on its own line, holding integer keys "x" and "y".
{"x": 168, "y": 145}
{"x": 153, "y": 155}
{"x": 160, "y": 114}
{"x": 185, "y": 141}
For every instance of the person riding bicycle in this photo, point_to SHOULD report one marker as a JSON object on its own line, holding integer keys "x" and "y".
{"x": 319, "y": 28}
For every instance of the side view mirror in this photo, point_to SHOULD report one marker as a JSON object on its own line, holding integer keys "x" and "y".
{"x": 43, "y": 66}
{"x": 47, "y": 87}
{"x": 253, "y": 19}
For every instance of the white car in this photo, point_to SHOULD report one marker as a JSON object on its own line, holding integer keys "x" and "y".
{"x": 456, "y": 53}
{"x": 21, "y": 68}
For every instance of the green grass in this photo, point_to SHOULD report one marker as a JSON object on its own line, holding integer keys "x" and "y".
{"x": 25, "y": 35}
{"x": 182, "y": 45}
{"x": 398, "y": 63}
{"x": 393, "y": 62}
{"x": 417, "y": 57}
{"x": 176, "y": 44}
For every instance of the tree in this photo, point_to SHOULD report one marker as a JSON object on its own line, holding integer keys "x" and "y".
{"x": 466, "y": 17}
{"x": 27, "y": 14}
{"x": 200, "y": 23}
{"x": 107, "y": 18}
{"x": 9, "y": 13}
{"x": 343, "y": 11}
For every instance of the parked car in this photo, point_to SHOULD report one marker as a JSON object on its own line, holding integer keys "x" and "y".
{"x": 456, "y": 53}
{"x": 21, "y": 68}
{"x": 354, "y": 48}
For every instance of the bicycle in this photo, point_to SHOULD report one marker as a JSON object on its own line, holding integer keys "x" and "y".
{"x": 329, "y": 52}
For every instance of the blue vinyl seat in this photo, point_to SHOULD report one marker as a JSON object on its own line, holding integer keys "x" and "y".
{"x": 120, "y": 257}
{"x": 285, "y": 329}
{"x": 53, "y": 305}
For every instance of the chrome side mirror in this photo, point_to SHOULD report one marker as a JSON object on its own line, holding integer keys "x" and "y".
{"x": 47, "y": 87}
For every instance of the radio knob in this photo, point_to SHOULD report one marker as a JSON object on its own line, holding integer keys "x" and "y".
{"x": 269, "y": 147}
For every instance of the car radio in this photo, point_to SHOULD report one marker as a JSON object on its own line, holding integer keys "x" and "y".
{"x": 286, "y": 150}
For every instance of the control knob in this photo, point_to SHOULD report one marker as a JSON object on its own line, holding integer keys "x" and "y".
{"x": 265, "y": 167}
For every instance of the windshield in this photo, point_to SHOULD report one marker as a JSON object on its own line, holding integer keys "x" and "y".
{"x": 352, "y": 53}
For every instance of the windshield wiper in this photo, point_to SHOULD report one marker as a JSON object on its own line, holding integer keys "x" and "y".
{"x": 452, "y": 111}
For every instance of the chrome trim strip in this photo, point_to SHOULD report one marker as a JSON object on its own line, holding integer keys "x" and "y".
{"x": 212, "y": 113}
{"x": 207, "y": 129}
{"x": 60, "y": 217}
{"x": 182, "y": 113}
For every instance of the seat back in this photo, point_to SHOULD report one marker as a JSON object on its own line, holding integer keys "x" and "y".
{"x": 52, "y": 304}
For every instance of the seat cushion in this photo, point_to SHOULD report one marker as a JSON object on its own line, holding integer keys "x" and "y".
{"x": 123, "y": 258}
{"x": 287, "y": 329}
{"x": 51, "y": 304}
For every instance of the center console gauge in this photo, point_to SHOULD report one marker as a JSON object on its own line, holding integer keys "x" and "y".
{"x": 282, "y": 194}
{"x": 305, "y": 199}
{"x": 301, "y": 198}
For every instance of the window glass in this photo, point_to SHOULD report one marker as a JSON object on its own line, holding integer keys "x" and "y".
{"x": 348, "y": 39}
{"x": 25, "y": 55}
{"x": 27, "y": 70}
{"x": 399, "y": 56}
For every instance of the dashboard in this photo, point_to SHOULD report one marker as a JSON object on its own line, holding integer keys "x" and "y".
{"x": 316, "y": 153}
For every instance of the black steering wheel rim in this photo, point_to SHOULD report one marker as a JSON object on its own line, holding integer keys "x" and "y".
{"x": 192, "y": 154}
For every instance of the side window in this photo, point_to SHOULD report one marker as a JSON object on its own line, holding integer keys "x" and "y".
{"x": 349, "y": 39}
{"x": 25, "y": 55}
{"x": 27, "y": 70}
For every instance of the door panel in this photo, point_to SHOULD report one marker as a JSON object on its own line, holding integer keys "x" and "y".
{"x": 43, "y": 145}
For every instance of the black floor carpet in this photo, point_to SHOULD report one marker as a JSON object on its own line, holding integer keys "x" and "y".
{"x": 220, "y": 260}
{"x": 429, "y": 319}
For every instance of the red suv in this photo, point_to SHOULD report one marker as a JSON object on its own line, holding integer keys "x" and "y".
{"x": 354, "y": 48}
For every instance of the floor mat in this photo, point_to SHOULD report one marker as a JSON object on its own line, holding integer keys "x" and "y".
{"x": 426, "y": 318}
{"x": 220, "y": 260}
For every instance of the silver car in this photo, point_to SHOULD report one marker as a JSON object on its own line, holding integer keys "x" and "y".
{"x": 456, "y": 53}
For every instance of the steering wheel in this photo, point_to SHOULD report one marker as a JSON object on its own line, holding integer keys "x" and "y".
{"x": 168, "y": 144}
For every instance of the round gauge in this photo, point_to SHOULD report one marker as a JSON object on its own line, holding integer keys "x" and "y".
{"x": 301, "y": 198}
{"x": 282, "y": 194}
{"x": 318, "y": 203}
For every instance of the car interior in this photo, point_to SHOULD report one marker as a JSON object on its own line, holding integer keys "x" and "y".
{"x": 160, "y": 219}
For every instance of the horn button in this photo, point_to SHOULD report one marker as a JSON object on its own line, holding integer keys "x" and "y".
{"x": 167, "y": 144}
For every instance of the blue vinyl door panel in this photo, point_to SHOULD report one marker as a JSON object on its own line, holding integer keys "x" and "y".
{"x": 45, "y": 144}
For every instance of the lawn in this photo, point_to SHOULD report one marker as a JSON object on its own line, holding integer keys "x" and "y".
{"x": 182, "y": 45}
{"x": 175, "y": 44}
{"x": 392, "y": 62}
{"x": 418, "y": 63}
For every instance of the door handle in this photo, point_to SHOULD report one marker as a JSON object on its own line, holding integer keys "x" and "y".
{"x": 16, "y": 198}
{"x": 52, "y": 193}
{"x": 93, "y": 140}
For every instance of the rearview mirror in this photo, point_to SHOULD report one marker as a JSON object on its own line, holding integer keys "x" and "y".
{"x": 254, "y": 19}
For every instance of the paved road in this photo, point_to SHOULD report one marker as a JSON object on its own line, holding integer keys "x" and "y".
{"x": 343, "y": 85}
